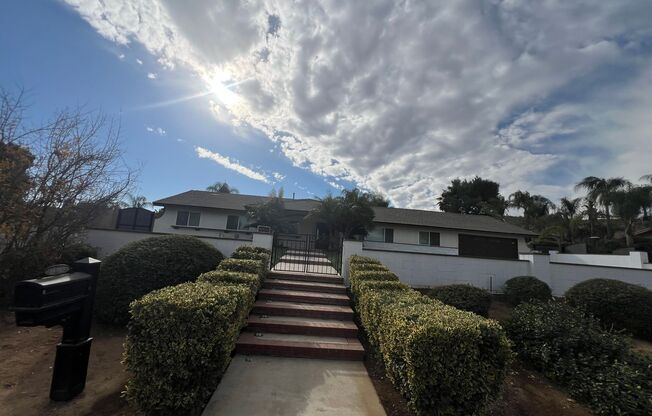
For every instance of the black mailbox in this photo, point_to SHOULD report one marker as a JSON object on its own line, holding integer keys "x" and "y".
{"x": 64, "y": 299}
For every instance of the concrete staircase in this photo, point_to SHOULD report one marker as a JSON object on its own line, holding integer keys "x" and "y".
{"x": 302, "y": 315}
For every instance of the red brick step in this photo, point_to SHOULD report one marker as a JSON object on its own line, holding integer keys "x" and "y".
{"x": 303, "y": 309}
{"x": 308, "y": 286}
{"x": 275, "y": 345}
{"x": 305, "y": 326}
{"x": 304, "y": 297}
{"x": 305, "y": 277}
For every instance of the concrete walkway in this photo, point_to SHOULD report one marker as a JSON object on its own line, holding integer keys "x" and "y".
{"x": 270, "y": 386}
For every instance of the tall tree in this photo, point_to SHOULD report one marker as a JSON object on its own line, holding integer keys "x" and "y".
{"x": 601, "y": 190}
{"x": 136, "y": 201}
{"x": 272, "y": 214}
{"x": 569, "y": 209}
{"x": 222, "y": 188}
{"x": 349, "y": 214}
{"x": 627, "y": 205}
{"x": 591, "y": 213}
{"x": 475, "y": 196}
{"x": 533, "y": 206}
{"x": 62, "y": 174}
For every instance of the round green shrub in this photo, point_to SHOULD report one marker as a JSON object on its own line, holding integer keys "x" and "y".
{"x": 252, "y": 249}
{"x": 142, "y": 266}
{"x": 525, "y": 289}
{"x": 615, "y": 303}
{"x": 465, "y": 297}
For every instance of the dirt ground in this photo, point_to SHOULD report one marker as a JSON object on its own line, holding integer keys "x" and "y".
{"x": 27, "y": 356}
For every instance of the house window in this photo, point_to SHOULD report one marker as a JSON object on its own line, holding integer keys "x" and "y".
{"x": 232, "y": 222}
{"x": 428, "y": 238}
{"x": 389, "y": 235}
{"x": 188, "y": 218}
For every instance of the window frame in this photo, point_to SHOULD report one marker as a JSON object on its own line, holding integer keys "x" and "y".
{"x": 237, "y": 226}
{"x": 188, "y": 216}
{"x": 430, "y": 238}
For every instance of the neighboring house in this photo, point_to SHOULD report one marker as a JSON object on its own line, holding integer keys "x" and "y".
{"x": 209, "y": 214}
{"x": 644, "y": 233}
{"x": 212, "y": 214}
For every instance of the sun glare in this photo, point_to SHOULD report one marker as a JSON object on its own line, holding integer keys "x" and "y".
{"x": 220, "y": 88}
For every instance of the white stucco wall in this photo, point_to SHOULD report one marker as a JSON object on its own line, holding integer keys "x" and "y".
{"x": 635, "y": 259}
{"x": 428, "y": 270}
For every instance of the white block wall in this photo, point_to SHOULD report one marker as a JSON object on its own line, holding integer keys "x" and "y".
{"x": 428, "y": 270}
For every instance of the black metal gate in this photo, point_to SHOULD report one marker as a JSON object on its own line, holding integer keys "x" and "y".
{"x": 304, "y": 253}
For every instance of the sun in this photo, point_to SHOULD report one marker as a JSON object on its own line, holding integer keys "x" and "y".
{"x": 219, "y": 86}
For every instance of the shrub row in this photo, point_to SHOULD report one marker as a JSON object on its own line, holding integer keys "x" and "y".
{"x": 149, "y": 264}
{"x": 526, "y": 289}
{"x": 464, "y": 297}
{"x": 181, "y": 337}
{"x": 443, "y": 360}
{"x": 615, "y": 303}
{"x": 596, "y": 366}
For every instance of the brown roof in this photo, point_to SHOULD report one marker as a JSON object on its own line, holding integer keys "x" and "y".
{"x": 447, "y": 220}
{"x": 236, "y": 202}
{"x": 384, "y": 215}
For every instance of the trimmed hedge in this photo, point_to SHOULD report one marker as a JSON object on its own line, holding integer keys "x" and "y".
{"x": 256, "y": 267}
{"x": 252, "y": 249}
{"x": 142, "y": 266}
{"x": 179, "y": 345}
{"x": 222, "y": 277}
{"x": 615, "y": 303}
{"x": 464, "y": 297}
{"x": 596, "y": 366}
{"x": 526, "y": 289}
{"x": 251, "y": 255}
{"x": 443, "y": 360}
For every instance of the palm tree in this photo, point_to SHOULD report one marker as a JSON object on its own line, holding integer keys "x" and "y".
{"x": 135, "y": 201}
{"x": 569, "y": 209}
{"x": 222, "y": 188}
{"x": 627, "y": 205}
{"x": 601, "y": 191}
{"x": 591, "y": 213}
{"x": 533, "y": 206}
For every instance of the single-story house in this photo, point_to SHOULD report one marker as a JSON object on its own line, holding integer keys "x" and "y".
{"x": 211, "y": 214}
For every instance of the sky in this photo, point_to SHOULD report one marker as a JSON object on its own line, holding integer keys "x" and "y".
{"x": 397, "y": 97}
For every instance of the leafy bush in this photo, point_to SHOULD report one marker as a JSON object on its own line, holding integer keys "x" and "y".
{"x": 252, "y": 249}
{"x": 525, "y": 289}
{"x": 596, "y": 366}
{"x": 251, "y": 255}
{"x": 221, "y": 277}
{"x": 465, "y": 297}
{"x": 142, "y": 266}
{"x": 443, "y": 360}
{"x": 179, "y": 344}
{"x": 623, "y": 305}
{"x": 366, "y": 275}
{"x": 256, "y": 267}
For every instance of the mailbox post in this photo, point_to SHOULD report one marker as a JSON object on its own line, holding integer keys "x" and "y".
{"x": 64, "y": 299}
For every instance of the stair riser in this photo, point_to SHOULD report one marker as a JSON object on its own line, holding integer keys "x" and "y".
{"x": 300, "y": 352}
{"x": 307, "y": 278}
{"x": 303, "y": 299}
{"x": 302, "y": 330}
{"x": 321, "y": 262}
{"x": 302, "y": 313}
{"x": 270, "y": 284}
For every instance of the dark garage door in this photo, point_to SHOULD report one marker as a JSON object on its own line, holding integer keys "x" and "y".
{"x": 494, "y": 247}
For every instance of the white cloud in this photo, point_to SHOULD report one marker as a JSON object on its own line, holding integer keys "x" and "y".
{"x": 231, "y": 164}
{"x": 121, "y": 56}
{"x": 156, "y": 130}
{"x": 401, "y": 97}
{"x": 152, "y": 75}
{"x": 139, "y": 62}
